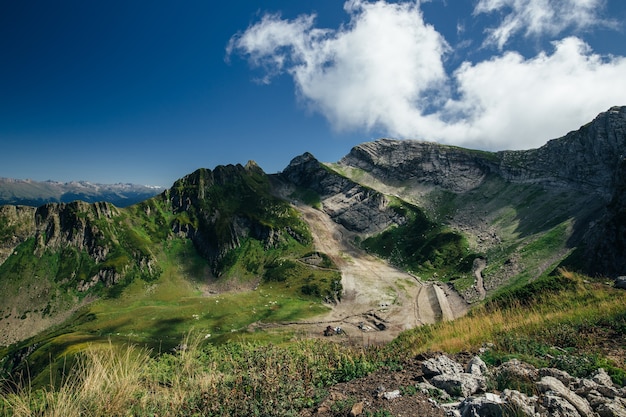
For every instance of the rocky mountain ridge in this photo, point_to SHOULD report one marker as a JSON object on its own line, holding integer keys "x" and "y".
{"x": 586, "y": 159}
{"x": 578, "y": 177}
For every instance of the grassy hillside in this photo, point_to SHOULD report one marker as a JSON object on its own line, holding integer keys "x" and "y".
{"x": 169, "y": 269}
{"x": 218, "y": 255}
{"x": 423, "y": 246}
{"x": 523, "y": 231}
{"x": 585, "y": 330}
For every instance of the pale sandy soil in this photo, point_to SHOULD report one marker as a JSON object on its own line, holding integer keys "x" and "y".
{"x": 374, "y": 292}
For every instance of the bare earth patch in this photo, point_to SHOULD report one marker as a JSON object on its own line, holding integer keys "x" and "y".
{"x": 379, "y": 301}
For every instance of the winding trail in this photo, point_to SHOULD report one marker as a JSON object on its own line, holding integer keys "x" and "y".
{"x": 376, "y": 295}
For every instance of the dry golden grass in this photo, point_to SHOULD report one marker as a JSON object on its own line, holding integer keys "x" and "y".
{"x": 581, "y": 303}
{"x": 256, "y": 379}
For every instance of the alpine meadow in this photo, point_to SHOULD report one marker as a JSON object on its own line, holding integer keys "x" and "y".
{"x": 408, "y": 278}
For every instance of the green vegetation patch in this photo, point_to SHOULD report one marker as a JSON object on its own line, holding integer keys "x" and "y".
{"x": 311, "y": 281}
{"x": 422, "y": 245}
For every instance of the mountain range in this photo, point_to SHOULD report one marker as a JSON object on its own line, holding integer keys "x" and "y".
{"x": 36, "y": 193}
{"x": 395, "y": 234}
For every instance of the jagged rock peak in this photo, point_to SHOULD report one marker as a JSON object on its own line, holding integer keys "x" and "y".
{"x": 355, "y": 207}
{"x": 61, "y": 224}
{"x": 252, "y": 166}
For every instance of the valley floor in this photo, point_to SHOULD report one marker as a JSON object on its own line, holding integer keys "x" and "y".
{"x": 379, "y": 301}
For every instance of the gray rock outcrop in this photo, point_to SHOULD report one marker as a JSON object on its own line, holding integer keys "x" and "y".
{"x": 557, "y": 392}
{"x": 359, "y": 209}
{"x": 16, "y": 225}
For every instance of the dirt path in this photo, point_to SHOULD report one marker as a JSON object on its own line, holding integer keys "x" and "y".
{"x": 379, "y": 301}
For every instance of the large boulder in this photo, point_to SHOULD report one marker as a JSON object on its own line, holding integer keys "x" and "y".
{"x": 441, "y": 365}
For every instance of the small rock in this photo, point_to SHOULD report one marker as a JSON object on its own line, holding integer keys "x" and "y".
{"x": 459, "y": 385}
{"x": 549, "y": 383}
{"x": 481, "y": 407}
{"x": 477, "y": 367}
{"x": 612, "y": 409}
{"x": 520, "y": 369}
{"x": 602, "y": 378}
{"x": 357, "y": 409}
{"x": 558, "y": 406}
{"x": 620, "y": 282}
{"x": 527, "y": 405}
{"x": 562, "y": 376}
{"x": 391, "y": 395}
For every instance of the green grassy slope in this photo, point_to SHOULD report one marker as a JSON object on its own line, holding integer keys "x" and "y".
{"x": 171, "y": 263}
{"x": 584, "y": 330}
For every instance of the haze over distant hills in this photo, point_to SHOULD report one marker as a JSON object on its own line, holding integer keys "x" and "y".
{"x": 35, "y": 193}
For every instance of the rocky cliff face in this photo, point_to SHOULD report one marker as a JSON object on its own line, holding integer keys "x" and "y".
{"x": 452, "y": 168}
{"x": 357, "y": 208}
{"x": 73, "y": 224}
{"x": 573, "y": 177}
{"x": 586, "y": 159}
{"x": 16, "y": 225}
{"x": 606, "y": 252}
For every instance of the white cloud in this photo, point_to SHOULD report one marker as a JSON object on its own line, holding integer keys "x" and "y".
{"x": 384, "y": 71}
{"x": 512, "y": 102}
{"x": 541, "y": 17}
{"x": 379, "y": 66}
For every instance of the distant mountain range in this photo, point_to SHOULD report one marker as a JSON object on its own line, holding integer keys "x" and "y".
{"x": 37, "y": 193}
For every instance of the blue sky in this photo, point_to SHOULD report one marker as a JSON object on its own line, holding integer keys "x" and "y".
{"x": 148, "y": 91}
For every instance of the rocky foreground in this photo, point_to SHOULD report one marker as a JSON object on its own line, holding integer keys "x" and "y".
{"x": 466, "y": 387}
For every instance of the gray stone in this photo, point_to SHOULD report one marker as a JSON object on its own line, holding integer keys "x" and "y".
{"x": 441, "y": 365}
{"x": 391, "y": 395}
{"x": 459, "y": 385}
{"x": 525, "y": 404}
{"x": 549, "y": 383}
{"x": 429, "y": 389}
{"x": 481, "y": 407}
{"x": 614, "y": 408}
{"x": 620, "y": 282}
{"x": 558, "y": 407}
{"x": 562, "y": 376}
{"x": 601, "y": 377}
{"x": 477, "y": 367}
{"x": 519, "y": 369}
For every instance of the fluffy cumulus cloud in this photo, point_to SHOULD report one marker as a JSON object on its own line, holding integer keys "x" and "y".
{"x": 384, "y": 71}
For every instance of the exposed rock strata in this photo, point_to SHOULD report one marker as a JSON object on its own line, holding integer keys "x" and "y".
{"x": 357, "y": 208}
{"x": 581, "y": 176}
{"x": 586, "y": 159}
